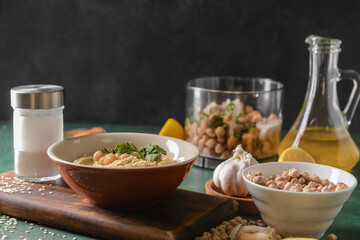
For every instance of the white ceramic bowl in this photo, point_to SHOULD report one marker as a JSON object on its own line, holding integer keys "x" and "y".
{"x": 299, "y": 214}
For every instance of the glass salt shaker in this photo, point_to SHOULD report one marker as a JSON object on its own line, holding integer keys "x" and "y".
{"x": 37, "y": 123}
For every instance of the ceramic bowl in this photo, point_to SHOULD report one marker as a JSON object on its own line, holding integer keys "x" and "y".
{"x": 122, "y": 188}
{"x": 246, "y": 204}
{"x": 299, "y": 214}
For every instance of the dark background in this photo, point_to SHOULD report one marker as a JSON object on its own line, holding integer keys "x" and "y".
{"x": 127, "y": 62}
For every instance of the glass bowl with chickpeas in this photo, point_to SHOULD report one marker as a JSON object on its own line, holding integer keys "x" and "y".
{"x": 223, "y": 112}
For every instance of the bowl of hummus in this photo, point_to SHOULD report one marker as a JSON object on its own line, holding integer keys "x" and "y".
{"x": 123, "y": 171}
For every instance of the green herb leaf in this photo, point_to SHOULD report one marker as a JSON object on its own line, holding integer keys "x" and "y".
{"x": 191, "y": 119}
{"x": 151, "y": 152}
{"x": 218, "y": 121}
{"x": 106, "y": 151}
{"x": 230, "y": 107}
{"x": 128, "y": 148}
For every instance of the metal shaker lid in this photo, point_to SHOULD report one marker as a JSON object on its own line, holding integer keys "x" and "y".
{"x": 38, "y": 96}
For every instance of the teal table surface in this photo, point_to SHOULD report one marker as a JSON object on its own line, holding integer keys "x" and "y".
{"x": 346, "y": 225}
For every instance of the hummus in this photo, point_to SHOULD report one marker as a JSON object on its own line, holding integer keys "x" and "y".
{"x": 128, "y": 162}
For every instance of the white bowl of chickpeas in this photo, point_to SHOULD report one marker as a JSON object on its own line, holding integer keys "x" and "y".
{"x": 298, "y": 199}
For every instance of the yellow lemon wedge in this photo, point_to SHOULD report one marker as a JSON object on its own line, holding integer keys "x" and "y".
{"x": 172, "y": 128}
{"x": 295, "y": 154}
{"x": 299, "y": 238}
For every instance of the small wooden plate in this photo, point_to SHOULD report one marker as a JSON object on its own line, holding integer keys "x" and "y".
{"x": 246, "y": 205}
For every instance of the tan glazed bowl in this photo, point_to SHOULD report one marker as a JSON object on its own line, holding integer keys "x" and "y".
{"x": 122, "y": 188}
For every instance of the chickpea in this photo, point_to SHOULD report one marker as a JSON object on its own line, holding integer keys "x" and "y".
{"x": 98, "y": 155}
{"x": 195, "y": 140}
{"x": 259, "y": 180}
{"x": 227, "y": 118}
{"x": 220, "y": 132}
{"x": 205, "y": 123}
{"x": 109, "y": 158}
{"x": 231, "y": 142}
{"x": 274, "y": 186}
{"x": 281, "y": 184}
{"x": 306, "y": 176}
{"x": 327, "y": 189}
{"x": 210, "y": 132}
{"x": 201, "y": 144}
{"x": 101, "y": 160}
{"x": 301, "y": 180}
{"x": 207, "y": 151}
{"x": 279, "y": 179}
{"x": 270, "y": 182}
{"x": 312, "y": 184}
{"x": 294, "y": 173}
{"x": 332, "y": 185}
{"x": 296, "y": 188}
{"x": 200, "y": 131}
{"x": 340, "y": 186}
{"x": 271, "y": 117}
{"x": 221, "y": 139}
{"x": 242, "y": 119}
{"x": 211, "y": 143}
{"x": 219, "y": 148}
{"x": 124, "y": 155}
{"x": 331, "y": 236}
{"x": 249, "y": 175}
{"x": 288, "y": 186}
{"x": 316, "y": 179}
{"x": 226, "y": 154}
{"x": 309, "y": 189}
{"x": 205, "y": 137}
{"x": 325, "y": 182}
{"x": 256, "y": 117}
{"x": 214, "y": 231}
{"x": 272, "y": 177}
{"x": 248, "y": 109}
{"x": 294, "y": 180}
{"x": 285, "y": 175}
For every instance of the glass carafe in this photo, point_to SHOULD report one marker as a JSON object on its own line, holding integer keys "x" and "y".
{"x": 322, "y": 125}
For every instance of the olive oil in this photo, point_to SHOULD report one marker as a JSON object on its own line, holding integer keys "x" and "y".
{"x": 329, "y": 146}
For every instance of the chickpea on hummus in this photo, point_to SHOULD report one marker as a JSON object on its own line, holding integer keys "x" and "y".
{"x": 126, "y": 155}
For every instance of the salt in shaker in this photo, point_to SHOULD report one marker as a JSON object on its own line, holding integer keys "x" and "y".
{"x": 37, "y": 123}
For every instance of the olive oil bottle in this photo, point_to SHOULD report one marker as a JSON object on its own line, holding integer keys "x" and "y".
{"x": 323, "y": 127}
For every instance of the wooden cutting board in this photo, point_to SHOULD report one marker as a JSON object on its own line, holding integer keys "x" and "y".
{"x": 181, "y": 215}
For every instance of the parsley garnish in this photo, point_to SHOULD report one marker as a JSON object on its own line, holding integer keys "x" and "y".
{"x": 230, "y": 108}
{"x": 218, "y": 121}
{"x": 151, "y": 152}
{"x": 148, "y": 152}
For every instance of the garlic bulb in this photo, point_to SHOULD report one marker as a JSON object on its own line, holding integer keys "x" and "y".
{"x": 252, "y": 232}
{"x": 227, "y": 175}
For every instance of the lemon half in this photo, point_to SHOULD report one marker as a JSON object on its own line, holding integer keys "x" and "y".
{"x": 172, "y": 128}
{"x": 295, "y": 154}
